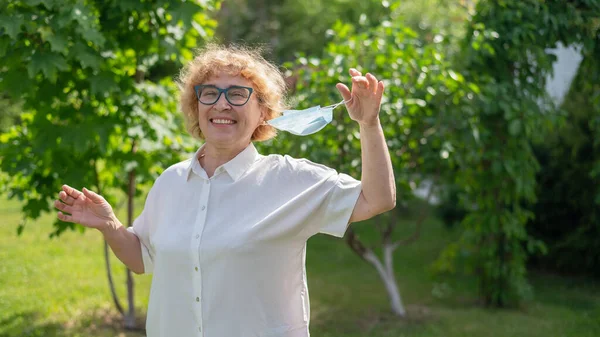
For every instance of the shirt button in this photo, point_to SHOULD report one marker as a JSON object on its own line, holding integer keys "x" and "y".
{"x": 199, "y": 329}
{"x": 207, "y": 182}
{"x": 196, "y": 268}
{"x": 203, "y": 207}
{"x": 197, "y": 236}
{"x": 197, "y": 299}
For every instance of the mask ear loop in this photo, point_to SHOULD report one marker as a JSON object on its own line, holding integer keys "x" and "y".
{"x": 333, "y": 106}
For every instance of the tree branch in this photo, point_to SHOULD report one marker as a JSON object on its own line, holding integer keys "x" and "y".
{"x": 111, "y": 283}
{"x": 419, "y": 225}
{"x": 355, "y": 244}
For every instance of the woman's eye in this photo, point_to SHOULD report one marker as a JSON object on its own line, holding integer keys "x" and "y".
{"x": 238, "y": 93}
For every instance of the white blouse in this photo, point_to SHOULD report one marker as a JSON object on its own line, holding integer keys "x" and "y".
{"x": 228, "y": 252}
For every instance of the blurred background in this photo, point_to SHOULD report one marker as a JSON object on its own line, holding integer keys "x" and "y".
{"x": 491, "y": 113}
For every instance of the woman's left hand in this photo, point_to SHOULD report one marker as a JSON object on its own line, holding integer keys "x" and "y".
{"x": 366, "y": 97}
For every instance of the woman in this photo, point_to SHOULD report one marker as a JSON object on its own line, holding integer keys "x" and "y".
{"x": 224, "y": 233}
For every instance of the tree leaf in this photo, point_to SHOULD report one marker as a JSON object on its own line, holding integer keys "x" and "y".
{"x": 185, "y": 12}
{"x": 87, "y": 56}
{"x": 86, "y": 27}
{"x": 47, "y": 3}
{"x": 48, "y": 63}
{"x": 4, "y": 43}
{"x": 514, "y": 127}
{"x": 15, "y": 83}
{"x": 33, "y": 2}
{"x": 58, "y": 43}
{"x": 102, "y": 83}
{"x": 11, "y": 24}
{"x": 199, "y": 29}
{"x": 92, "y": 35}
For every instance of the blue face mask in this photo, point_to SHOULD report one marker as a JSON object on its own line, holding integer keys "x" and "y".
{"x": 305, "y": 122}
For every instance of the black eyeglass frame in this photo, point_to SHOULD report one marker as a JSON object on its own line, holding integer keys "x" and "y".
{"x": 199, "y": 87}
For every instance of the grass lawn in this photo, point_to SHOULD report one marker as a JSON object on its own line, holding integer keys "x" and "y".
{"x": 58, "y": 287}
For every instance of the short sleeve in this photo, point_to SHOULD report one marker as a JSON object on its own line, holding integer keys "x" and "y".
{"x": 325, "y": 197}
{"x": 340, "y": 205}
{"x": 143, "y": 227}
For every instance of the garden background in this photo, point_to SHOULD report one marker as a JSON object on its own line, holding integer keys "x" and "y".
{"x": 491, "y": 112}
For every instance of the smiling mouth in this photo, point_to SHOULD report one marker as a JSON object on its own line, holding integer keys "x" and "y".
{"x": 222, "y": 121}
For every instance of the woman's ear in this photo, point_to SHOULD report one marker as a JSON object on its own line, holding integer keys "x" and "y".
{"x": 263, "y": 113}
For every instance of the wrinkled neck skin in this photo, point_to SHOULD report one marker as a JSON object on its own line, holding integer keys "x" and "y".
{"x": 213, "y": 155}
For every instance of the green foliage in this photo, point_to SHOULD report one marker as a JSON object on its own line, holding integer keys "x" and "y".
{"x": 96, "y": 105}
{"x": 9, "y": 114}
{"x": 306, "y": 26}
{"x": 432, "y": 17}
{"x": 505, "y": 55}
{"x": 593, "y": 87}
{"x": 294, "y": 26}
{"x": 420, "y": 111}
{"x": 567, "y": 212}
{"x": 449, "y": 209}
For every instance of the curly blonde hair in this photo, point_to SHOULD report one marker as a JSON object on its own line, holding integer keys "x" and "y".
{"x": 267, "y": 80}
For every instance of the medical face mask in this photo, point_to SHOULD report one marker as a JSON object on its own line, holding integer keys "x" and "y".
{"x": 305, "y": 122}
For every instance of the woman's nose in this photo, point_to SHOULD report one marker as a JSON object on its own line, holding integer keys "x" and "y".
{"x": 222, "y": 103}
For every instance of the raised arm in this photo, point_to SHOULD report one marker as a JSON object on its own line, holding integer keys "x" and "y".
{"x": 93, "y": 211}
{"x": 378, "y": 193}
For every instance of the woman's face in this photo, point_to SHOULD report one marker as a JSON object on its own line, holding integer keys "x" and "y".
{"x": 224, "y": 124}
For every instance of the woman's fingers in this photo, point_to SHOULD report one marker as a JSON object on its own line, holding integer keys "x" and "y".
{"x": 366, "y": 87}
{"x": 372, "y": 82}
{"x": 380, "y": 89}
{"x": 63, "y": 206}
{"x": 360, "y": 82}
{"x": 355, "y": 72}
{"x": 66, "y": 198}
{"x": 96, "y": 198}
{"x": 64, "y": 217}
{"x": 71, "y": 191}
{"x": 358, "y": 79}
{"x": 344, "y": 91}
{"x": 367, "y": 84}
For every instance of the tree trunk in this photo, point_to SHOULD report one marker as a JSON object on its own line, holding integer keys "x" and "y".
{"x": 111, "y": 283}
{"x": 129, "y": 318}
{"x": 386, "y": 272}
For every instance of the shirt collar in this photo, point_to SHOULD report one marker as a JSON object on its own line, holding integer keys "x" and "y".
{"x": 236, "y": 167}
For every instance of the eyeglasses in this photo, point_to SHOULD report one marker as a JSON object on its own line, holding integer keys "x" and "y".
{"x": 210, "y": 94}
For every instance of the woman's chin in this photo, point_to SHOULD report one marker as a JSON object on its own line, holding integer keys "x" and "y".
{"x": 223, "y": 139}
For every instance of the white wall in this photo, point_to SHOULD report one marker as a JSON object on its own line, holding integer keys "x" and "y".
{"x": 565, "y": 69}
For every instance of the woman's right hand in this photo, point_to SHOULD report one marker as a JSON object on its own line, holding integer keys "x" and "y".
{"x": 86, "y": 208}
